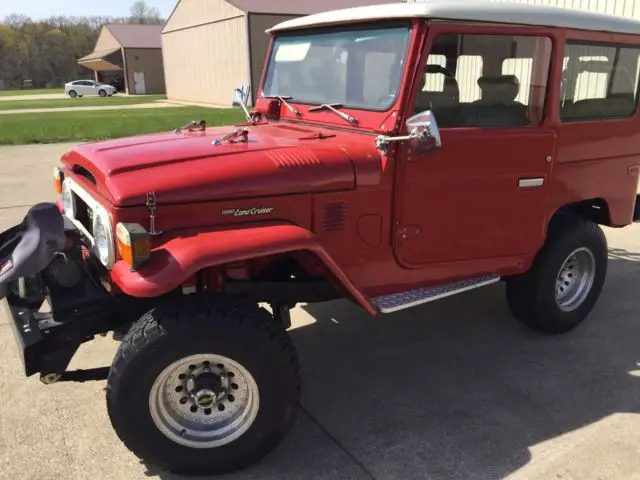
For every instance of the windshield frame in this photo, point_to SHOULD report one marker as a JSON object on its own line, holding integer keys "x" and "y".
{"x": 347, "y": 28}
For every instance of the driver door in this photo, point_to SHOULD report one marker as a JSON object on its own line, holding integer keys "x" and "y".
{"x": 482, "y": 195}
{"x": 84, "y": 88}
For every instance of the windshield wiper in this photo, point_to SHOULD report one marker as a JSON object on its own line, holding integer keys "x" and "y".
{"x": 333, "y": 107}
{"x": 284, "y": 99}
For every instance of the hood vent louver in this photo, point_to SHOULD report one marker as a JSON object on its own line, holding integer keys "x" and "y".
{"x": 334, "y": 217}
{"x": 83, "y": 172}
{"x": 296, "y": 157}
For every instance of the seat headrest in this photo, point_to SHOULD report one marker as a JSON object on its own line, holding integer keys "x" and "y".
{"x": 503, "y": 87}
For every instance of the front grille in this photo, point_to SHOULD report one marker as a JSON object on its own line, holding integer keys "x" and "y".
{"x": 84, "y": 214}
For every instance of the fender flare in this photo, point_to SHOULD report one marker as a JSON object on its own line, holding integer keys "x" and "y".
{"x": 180, "y": 255}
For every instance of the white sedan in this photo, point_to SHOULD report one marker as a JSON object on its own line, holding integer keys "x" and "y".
{"x": 87, "y": 87}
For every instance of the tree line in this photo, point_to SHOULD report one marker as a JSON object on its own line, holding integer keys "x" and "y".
{"x": 46, "y": 51}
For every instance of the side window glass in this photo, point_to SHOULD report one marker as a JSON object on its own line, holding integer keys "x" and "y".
{"x": 598, "y": 82}
{"x": 486, "y": 80}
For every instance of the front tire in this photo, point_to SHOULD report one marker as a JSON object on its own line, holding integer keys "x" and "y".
{"x": 204, "y": 387}
{"x": 73, "y": 93}
{"x": 566, "y": 279}
{"x": 102, "y": 93}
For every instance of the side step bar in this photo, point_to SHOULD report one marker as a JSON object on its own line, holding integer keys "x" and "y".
{"x": 399, "y": 301}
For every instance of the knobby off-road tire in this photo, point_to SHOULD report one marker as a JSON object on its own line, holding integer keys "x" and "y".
{"x": 558, "y": 293}
{"x": 155, "y": 367}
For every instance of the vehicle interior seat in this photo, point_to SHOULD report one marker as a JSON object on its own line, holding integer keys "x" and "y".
{"x": 497, "y": 106}
{"x": 444, "y": 104}
{"x": 614, "y": 105}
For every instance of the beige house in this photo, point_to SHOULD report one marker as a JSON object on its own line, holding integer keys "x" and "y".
{"x": 211, "y": 46}
{"x": 129, "y": 57}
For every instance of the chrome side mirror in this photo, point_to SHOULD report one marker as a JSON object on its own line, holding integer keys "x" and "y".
{"x": 241, "y": 98}
{"x": 424, "y": 129}
{"x": 424, "y": 134}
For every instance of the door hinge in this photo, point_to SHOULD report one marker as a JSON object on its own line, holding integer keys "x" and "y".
{"x": 409, "y": 232}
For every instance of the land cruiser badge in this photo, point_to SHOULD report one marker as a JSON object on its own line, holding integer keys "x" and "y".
{"x": 246, "y": 212}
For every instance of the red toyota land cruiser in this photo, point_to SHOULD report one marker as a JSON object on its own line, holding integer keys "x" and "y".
{"x": 395, "y": 155}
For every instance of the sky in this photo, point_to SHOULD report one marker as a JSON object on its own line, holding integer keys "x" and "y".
{"x": 38, "y": 9}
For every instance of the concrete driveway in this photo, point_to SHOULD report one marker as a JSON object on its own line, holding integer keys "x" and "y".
{"x": 39, "y": 96}
{"x": 453, "y": 390}
{"x": 158, "y": 104}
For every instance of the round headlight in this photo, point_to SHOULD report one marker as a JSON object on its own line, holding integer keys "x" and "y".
{"x": 103, "y": 238}
{"x": 68, "y": 202}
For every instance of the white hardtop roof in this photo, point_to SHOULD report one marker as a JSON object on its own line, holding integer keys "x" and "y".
{"x": 491, "y": 11}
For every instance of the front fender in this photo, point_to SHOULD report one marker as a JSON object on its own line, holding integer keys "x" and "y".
{"x": 183, "y": 254}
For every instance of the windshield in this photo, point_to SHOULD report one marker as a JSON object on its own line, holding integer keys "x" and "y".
{"x": 356, "y": 68}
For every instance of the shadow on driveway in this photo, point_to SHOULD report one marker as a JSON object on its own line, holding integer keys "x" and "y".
{"x": 456, "y": 388}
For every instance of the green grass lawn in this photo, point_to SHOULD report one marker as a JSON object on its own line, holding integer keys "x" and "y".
{"x": 30, "y": 91}
{"x": 20, "y": 129}
{"x": 79, "y": 102}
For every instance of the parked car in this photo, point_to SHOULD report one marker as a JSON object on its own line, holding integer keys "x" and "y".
{"x": 396, "y": 154}
{"x": 79, "y": 88}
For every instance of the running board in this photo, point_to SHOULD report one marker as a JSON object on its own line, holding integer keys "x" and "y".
{"x": 400, "y": 301}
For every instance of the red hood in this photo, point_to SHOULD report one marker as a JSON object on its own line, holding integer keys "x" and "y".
{"x": 188, "y": 167}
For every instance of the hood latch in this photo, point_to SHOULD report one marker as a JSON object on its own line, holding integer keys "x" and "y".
{"x": 151, "y": 206}
{"x": 193, "y": 126}
{"x": 242, "y": 135}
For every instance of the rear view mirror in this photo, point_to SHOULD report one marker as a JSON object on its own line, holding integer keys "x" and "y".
{"x": 424, "y": 132}
{"x": 241, "y": 95}
{"x": 241, "y": 98}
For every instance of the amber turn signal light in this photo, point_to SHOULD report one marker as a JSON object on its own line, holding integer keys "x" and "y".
{"x": 134, "y": 244}
{"x": 58, "y": 178}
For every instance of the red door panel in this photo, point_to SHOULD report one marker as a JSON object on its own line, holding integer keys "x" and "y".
{"x": 465, "y": 201}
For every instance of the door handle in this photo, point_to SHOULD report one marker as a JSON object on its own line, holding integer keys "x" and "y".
{"x": 530, "y": 182}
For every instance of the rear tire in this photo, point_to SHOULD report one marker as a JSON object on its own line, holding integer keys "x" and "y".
{"x": 250, "y": 357}
{"x": 565, "y": 281}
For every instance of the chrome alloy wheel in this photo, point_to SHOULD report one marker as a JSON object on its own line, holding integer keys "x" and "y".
{"x": 575, "y": 279}
{"x": 204, "y": 401}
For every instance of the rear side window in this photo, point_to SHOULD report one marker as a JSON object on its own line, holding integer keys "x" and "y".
{"x": 599, "y": 82}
